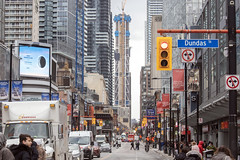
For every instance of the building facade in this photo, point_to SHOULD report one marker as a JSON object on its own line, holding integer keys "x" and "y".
{"x": 21, "y": 21}
{"x": 154, "y": 7}
{"x": 99, "y": 43}
{"x": 2, "y": 20}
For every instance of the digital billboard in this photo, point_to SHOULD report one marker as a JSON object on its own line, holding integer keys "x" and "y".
{"x": 34, "y": 60}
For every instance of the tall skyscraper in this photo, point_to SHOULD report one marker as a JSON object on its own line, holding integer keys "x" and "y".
{"x": 122, "y": 56}
{"x": 60, "y": 24}
{"x": 154, "y": 7}
{"x": 21, "y": 20}
{"x": 98, "y": 46}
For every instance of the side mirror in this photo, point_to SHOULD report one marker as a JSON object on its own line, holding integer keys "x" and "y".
{"x": 92, "y": 143}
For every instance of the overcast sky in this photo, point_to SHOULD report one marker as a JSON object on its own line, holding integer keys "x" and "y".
{"x": 137, "y": 10}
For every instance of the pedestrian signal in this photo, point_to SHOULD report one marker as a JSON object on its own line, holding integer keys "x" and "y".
{"x": 164, "y": 53}
{"x": 85, "y": 123}
{"x": 159, "y": 125}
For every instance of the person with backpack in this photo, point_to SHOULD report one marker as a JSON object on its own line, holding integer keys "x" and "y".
{"x": 23, "y": 151}
{"x": 194, "y": 154}
{"x": 5, "y": 153}
{"x": 182, "y": 155}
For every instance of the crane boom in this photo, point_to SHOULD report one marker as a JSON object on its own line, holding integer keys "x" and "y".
{"x": 123, "y": 4}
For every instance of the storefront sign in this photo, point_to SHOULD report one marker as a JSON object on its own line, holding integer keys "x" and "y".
{"x": 224, "y": 125}
{"x": 205, "y": 128}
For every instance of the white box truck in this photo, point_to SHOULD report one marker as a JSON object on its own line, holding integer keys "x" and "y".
{"x": 45, "y": 121}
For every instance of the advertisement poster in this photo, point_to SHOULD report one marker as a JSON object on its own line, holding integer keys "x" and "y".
{"x": 69, "y": 111}
{"x": 17, "y": 90}
{"x": 4, "y": 85}
{"x": 55, "y": 96}
{"x": 34, "y": 61}
{"x": 45, "y": 97}
{"x": 178, "y": 80}
{"x": 165, "y": 101}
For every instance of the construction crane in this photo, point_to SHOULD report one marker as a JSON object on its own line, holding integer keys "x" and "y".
{"x": 122, "y": 52}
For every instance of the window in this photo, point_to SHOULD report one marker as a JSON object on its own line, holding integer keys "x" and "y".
{"x": 205, "y": 70}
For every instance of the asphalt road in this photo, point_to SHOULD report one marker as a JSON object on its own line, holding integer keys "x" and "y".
{"x": 124, "y": 153}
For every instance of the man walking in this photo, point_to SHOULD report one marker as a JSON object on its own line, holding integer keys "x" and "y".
{"x": 23, "y": 151}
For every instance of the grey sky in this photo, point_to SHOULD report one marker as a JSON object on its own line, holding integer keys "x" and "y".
{"x": 137, "y": 10}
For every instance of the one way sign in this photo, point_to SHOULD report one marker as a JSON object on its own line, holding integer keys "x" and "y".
{"x": 232, "y": 82}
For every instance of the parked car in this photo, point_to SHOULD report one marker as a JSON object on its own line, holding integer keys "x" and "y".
{"x": 106, "y": 147}
{"x": 75, "y": 152}
{"x": 96, "y": 149}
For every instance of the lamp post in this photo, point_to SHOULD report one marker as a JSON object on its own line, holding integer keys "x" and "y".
{"x": 170, "y": 110}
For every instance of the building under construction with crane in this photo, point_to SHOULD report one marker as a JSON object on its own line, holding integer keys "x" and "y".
{"x": 122, "y": 73}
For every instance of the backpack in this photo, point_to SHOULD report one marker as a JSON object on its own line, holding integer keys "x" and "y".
{"x": 193, "y": 157}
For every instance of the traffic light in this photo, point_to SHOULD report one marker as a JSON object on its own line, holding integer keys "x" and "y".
{"x": 93, "y": 120}
{"x": 164, "y": 53}
{"x": 85, "y": 123}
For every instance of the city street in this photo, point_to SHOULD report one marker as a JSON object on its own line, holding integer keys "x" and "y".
{"x": 124, "y": 153}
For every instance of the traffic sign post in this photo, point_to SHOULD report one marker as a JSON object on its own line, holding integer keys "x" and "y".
{"x": 232, "y": 82}
{"x": 198, "y": 43}
{"x": 188, "y": 56}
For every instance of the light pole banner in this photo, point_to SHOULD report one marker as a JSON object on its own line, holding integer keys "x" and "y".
{"x": 178, "y": 80}
{"x": 4, "y": 85}
{"x": 55, "y": 96}
{"x": 45, "y": 97}
{"x": 165, "y": 101}
{"x": 17, "y": 90}
{"x": 159, "y": 107}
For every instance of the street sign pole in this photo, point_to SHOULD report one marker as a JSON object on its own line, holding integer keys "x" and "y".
{"x": 185, "y": 79}
{"x": 232, "y": 132}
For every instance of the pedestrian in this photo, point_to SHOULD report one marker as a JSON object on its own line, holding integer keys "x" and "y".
{"x": 205, "y": 145}
{"x": 41, "y": 152}
{"x": 34, "y": 150}
{"x": 5, "y": 153}
{"x": 194, "y": 154}
{"x": 222, "y": 153}
{"x": 23, "y": 151}
{"x": 182, "y": 155}
{"x": 137, "y": 145}
{"x": 132, "y": 145}
{"x": 211, "y": 147}
{"x": 200, "y": 145}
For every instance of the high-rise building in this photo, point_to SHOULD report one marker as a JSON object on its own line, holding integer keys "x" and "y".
{"x": 122, "y": 56}
{"x": 60, "y": 24}
{"x": 99, "y": 44}
{"x": 154, "y": 7}
{"x": 21, "y": 20}
{"x": 2, "y": 7}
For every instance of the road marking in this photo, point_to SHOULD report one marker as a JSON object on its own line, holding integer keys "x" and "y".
{"x": 106, "y": 157}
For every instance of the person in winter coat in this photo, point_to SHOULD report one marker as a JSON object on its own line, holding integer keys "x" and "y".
{"x": 194, "y": 154}
{"x": 222, "y": 153}
{"x": 200, "y": 145}
{"x": 23, "y": 151}
{"x": 41, "y": 153}
{"x": 182, "y": 155}
{"x": 34, "y": 150}
{"x": 5, "y": 153}
{"x": 132, "y": 146}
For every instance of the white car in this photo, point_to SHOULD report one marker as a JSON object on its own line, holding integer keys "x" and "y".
{"x": 75, "y": 152}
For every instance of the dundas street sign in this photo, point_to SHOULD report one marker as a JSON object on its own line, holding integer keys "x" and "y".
{"x": 198, "y": 43}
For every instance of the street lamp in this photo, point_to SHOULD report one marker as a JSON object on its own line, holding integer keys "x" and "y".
{"x": 170, "y": 132}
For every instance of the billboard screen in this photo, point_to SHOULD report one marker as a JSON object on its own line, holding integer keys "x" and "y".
{"x": 34, "y": 60}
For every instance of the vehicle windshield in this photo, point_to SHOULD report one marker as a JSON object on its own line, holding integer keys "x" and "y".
{"x": 100, "y": 138}
{"x": 73, "y": 147}
{"x": 79, "y": 140}
{"x": 35, "y": 130}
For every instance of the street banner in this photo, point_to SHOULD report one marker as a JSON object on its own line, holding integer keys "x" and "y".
{"x": 165, "y": 101}
{"x": 193, "y": 101}
{"x": 17, "y": 90}
{"x": 178, "y": 80}
{"x": 159, "y": 107}
{"x": 4, "y": 86}
{"x": 175, "y": 101}
{"x": 55, "y": 96}
{"x": 45, "y": 97}
{"x": 193, "y": 80}
{"x": 150, "y": 114}
{"x": 69, "y": 109}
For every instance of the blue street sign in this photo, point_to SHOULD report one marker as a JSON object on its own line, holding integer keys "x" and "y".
{"x": 198, "y": 43}
{"x": 150, "y": 114}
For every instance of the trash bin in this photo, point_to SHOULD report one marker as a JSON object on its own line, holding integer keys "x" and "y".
{"x": 208, "y": 154}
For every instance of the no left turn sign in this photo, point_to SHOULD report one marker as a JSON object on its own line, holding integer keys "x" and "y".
{"x": 188, "y": 56}
{"x": 232, "y": 82}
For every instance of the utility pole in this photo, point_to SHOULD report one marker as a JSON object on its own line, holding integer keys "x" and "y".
{"x": 232, "y": 132}
{"x": 10, "y": 74}
{"x": 170, "y": 122}
{"x": 185, "y": 79}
